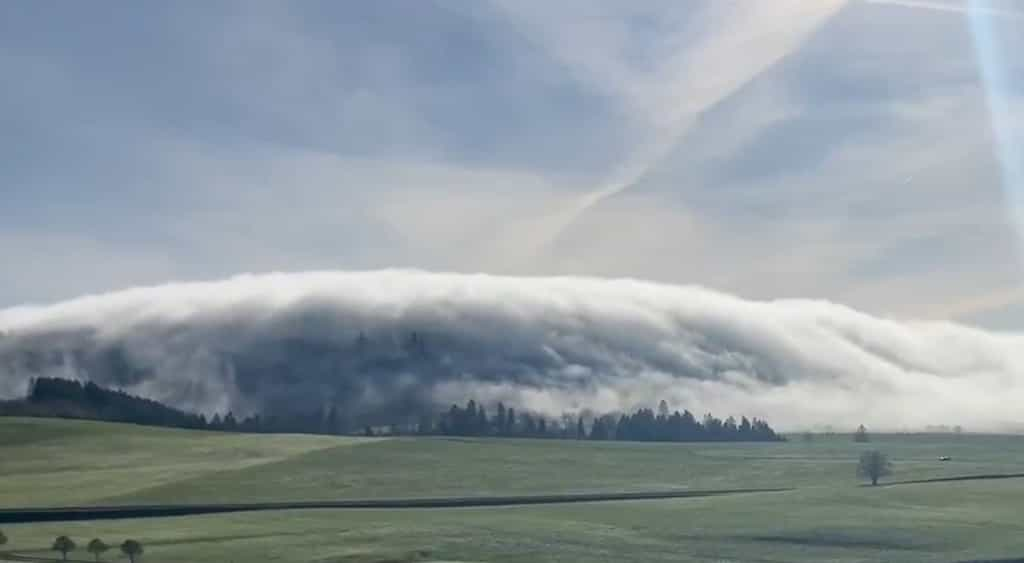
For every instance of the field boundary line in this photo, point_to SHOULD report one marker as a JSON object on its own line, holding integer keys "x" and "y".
{"x": 70, "y": 513}
{"x": 981, "y": 477}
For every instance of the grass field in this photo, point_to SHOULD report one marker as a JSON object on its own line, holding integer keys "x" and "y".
{"x": 829, "y": 517}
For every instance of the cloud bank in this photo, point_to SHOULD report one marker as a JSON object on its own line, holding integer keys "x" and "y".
{"x": 398, "y": 341}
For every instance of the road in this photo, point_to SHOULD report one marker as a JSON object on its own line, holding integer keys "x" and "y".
{"x": 69, "y": 513}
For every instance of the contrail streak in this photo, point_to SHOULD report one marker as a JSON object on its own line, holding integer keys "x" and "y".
{"x": 751, "y": 42}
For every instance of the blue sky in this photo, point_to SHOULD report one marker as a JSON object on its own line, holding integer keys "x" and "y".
{"x": 842, "y": 150}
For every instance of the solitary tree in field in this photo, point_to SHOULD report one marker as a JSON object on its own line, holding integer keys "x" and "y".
{"x": 132, "y": 549}
{"x": 64, "y": 545}
{"x": 97, "y": 548}
{"x": 873, "y": 465}
{"x": 861, "y": 435}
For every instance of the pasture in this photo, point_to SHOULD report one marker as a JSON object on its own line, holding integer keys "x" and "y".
{"x": 828, "y": 516}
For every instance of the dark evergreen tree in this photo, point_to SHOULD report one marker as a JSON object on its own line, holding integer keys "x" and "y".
{"x": 481, "y": 428}
{"x": 500, "y": 423}
{"x": 861, "y": 435}
{"x": 745, "y": 430}
{"x": 230, "y": 424}
{"x": 729, "y": 429}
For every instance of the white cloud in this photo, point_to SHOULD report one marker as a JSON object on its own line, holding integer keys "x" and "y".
{"x": 544, "y": 343}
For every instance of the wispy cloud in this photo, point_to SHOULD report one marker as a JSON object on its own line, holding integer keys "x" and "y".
{"x": 834, "y": 150}
{"x": 748, "y": 38}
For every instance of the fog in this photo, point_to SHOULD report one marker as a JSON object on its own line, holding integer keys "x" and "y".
{"x": 390, "y": 342}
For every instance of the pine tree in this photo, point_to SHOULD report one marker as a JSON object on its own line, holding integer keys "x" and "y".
{"x": 662, "y": 410}
{"x": 745, "y": 430}
{"x": 500, "y": 424}
{"x": 481, "y": 422}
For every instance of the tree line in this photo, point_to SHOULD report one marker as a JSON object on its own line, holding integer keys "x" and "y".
{"x": 65, "y": 398}
{"x": 643, "y": 425}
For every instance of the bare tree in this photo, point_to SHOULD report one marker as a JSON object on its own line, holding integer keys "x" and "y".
{"x": 64, "y": 545}
{"x": 97, "y": 547}
{"x": 132, "y": 549}
{"x": 873, "y": 465}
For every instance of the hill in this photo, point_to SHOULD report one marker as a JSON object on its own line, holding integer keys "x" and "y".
{"x": 64, "y": 398}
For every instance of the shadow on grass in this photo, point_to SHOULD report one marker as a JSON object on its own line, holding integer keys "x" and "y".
{"x": 421, "y": 555}
{"x": 842, "y": 540}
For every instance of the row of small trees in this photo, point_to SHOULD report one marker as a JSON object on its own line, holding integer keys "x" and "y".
{"x": 97, "y": 547}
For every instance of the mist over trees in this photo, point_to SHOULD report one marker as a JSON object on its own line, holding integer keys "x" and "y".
{"x": 73, "y": 399}
{"x": 643, "y": 425}
{"x": 64, "y": 398}
{"x": 381, "y": 345}
{"x": 51, "y": 396}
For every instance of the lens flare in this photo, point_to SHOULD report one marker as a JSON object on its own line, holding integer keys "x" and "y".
{"x": 996, "y": 82}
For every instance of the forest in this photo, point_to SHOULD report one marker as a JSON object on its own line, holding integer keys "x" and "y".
{"x": 65, "y": 398}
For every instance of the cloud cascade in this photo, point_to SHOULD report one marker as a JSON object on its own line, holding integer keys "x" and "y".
{"x": 395, "y": 341}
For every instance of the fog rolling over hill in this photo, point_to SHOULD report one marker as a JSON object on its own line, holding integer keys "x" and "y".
{"x": 403, "y": 341}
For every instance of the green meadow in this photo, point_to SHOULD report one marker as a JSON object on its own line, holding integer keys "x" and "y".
{"x": 828, "y": 516}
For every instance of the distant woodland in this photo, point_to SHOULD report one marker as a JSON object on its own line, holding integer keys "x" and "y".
{"x": 56, "y": 397}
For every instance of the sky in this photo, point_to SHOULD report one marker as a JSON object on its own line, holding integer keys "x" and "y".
{"x": 861, "y": 152}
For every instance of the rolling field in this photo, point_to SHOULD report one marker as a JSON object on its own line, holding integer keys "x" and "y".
{"x": 827, "y": 517}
